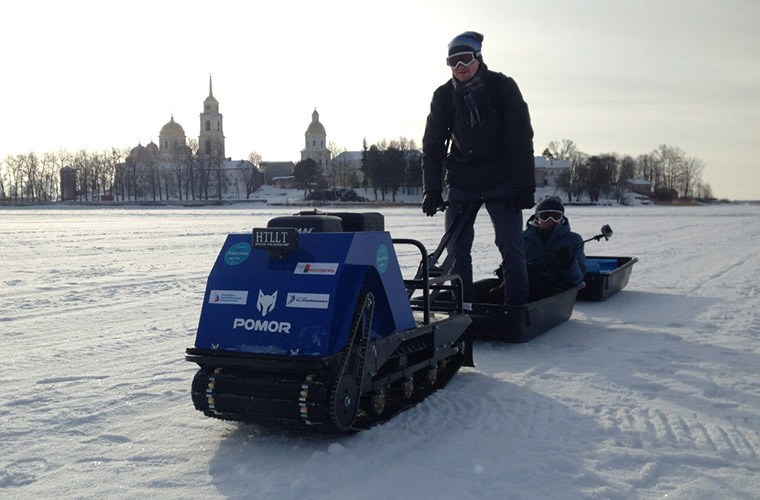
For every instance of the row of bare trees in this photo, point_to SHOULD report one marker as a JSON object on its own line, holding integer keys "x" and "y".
{"x": 186, "y": 175}
{"x": 116, "y": 174}
{"x": 670, "y": 171}
{"x": 388, "y": 166}
{"x": 392, "y": 165}
{"x": 33, "y": 178}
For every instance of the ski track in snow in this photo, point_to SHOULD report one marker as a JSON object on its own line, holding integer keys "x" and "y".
{"x": 654, "y": 393}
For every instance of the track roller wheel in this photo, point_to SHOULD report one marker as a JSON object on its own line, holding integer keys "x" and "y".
{"x": 431, "y": 375}
{"x": 344, "y": 403}
{"x": 407, "y": 387}
{"x": 378, "y": 401}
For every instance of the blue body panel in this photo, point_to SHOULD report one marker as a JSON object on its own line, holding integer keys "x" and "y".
{"x": 302, "y": 304}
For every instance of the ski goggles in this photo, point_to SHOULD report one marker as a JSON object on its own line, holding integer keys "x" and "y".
{"x": 550, "y": 215}
{"x": 463, "y": 58}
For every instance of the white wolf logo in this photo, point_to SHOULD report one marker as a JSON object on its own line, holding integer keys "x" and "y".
{"x": 266, "y": 302}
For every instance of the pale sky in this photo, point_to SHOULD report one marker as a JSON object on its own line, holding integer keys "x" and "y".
{"x": 613, "y": 76}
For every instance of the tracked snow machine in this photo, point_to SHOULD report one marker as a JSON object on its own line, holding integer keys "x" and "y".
{"x": 308, "y": 323}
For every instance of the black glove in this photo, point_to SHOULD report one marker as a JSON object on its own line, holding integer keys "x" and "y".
{"x": 525, "y": 198}
{"x": 499, "y": 272}
{"x": 565, "y": 256}
{"x": 431, "y": 202}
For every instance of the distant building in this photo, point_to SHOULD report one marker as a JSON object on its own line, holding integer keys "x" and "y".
{"x": 639, "y": 186}
{"x": 276, "y": 169}
{"x": 280, "y": 173}
{"x": 347, "y": 166}
{"x": 285, "y": 182}
{"x": 68, "y": 184}
{"x": 211, "y": 138}
{"x": 548, "y": 171}
{"x": 316, "y": 140}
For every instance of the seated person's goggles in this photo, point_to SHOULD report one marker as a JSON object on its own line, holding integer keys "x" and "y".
{"x": 550, "y": 215}
{"x": 463, "y": 58}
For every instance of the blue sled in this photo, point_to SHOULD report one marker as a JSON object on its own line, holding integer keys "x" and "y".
{"x": 606, "y": 276}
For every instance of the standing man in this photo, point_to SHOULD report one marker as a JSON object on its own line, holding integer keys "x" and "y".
{"x": 483, "y": 116}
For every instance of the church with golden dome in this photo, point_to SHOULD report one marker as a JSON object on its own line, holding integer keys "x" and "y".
{"x": 315, "y": 142}
{"x": 172, "y": 169}
{"x": 172, "y": 139}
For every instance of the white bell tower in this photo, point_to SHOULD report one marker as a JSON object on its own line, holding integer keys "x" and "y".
{"x": 211, "y": 138}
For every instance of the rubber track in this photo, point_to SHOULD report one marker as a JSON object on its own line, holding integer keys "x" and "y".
{"x": 272, "y": 400}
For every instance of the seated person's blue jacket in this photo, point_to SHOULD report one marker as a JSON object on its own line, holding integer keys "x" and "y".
{"x": 542, "y": 254}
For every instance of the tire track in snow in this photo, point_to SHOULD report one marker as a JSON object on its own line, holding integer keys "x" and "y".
{"x": 656, "y": 428}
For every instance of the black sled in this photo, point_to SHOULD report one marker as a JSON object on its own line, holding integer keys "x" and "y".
{"x": 521, "y": 323}
{"x": 491, "y": 319}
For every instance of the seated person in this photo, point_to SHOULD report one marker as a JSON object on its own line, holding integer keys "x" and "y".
{"x": 554, "y": 254}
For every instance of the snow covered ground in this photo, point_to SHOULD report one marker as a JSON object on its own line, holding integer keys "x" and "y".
{"x": 652, "y": 394}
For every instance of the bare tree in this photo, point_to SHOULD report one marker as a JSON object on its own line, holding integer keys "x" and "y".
{"x": 672, "y": 159}
{"x": 563, "y": 150}
{"x": 50, "y": 177}
{"x": 13, "y": 166}
{"x": 179, "y": 166}
{"x": 691, "y": 176}
{"x": 627, "y": 170}
{"x": 338, "y": 166}
{"x": 222, "y": 181}
{"x": 252, "y": 177}
{"x": 648, "y": 168}
{"x": 113, "y": 157}
{"x": 3, "y": 182}
{"x": 704, "y": 191}
{"x": 30, "y": 166}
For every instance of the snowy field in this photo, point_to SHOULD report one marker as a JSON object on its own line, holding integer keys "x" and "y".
{"x": 652, "y": 394}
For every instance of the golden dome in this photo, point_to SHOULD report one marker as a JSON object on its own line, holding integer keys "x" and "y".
{"x": 315, "y": 127}
{"x": 172, "y": 129}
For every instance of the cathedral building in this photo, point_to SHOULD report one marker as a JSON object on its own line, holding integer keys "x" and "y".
{"x": 170, "y": 171}
{"x": 280, "y": 173}
{"x": 316, "y": 138}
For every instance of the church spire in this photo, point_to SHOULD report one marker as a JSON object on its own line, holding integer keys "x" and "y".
{"x": 211, "y": 138}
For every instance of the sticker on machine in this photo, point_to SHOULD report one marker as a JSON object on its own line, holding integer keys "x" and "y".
{"x": 238, "y": 297}
{"x": 318, "y": 268}
{"x": 308, "y": 300}
{"x": 237, "y": 253}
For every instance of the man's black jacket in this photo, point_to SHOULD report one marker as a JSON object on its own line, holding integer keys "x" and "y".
{"x": 496, "y": 151}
